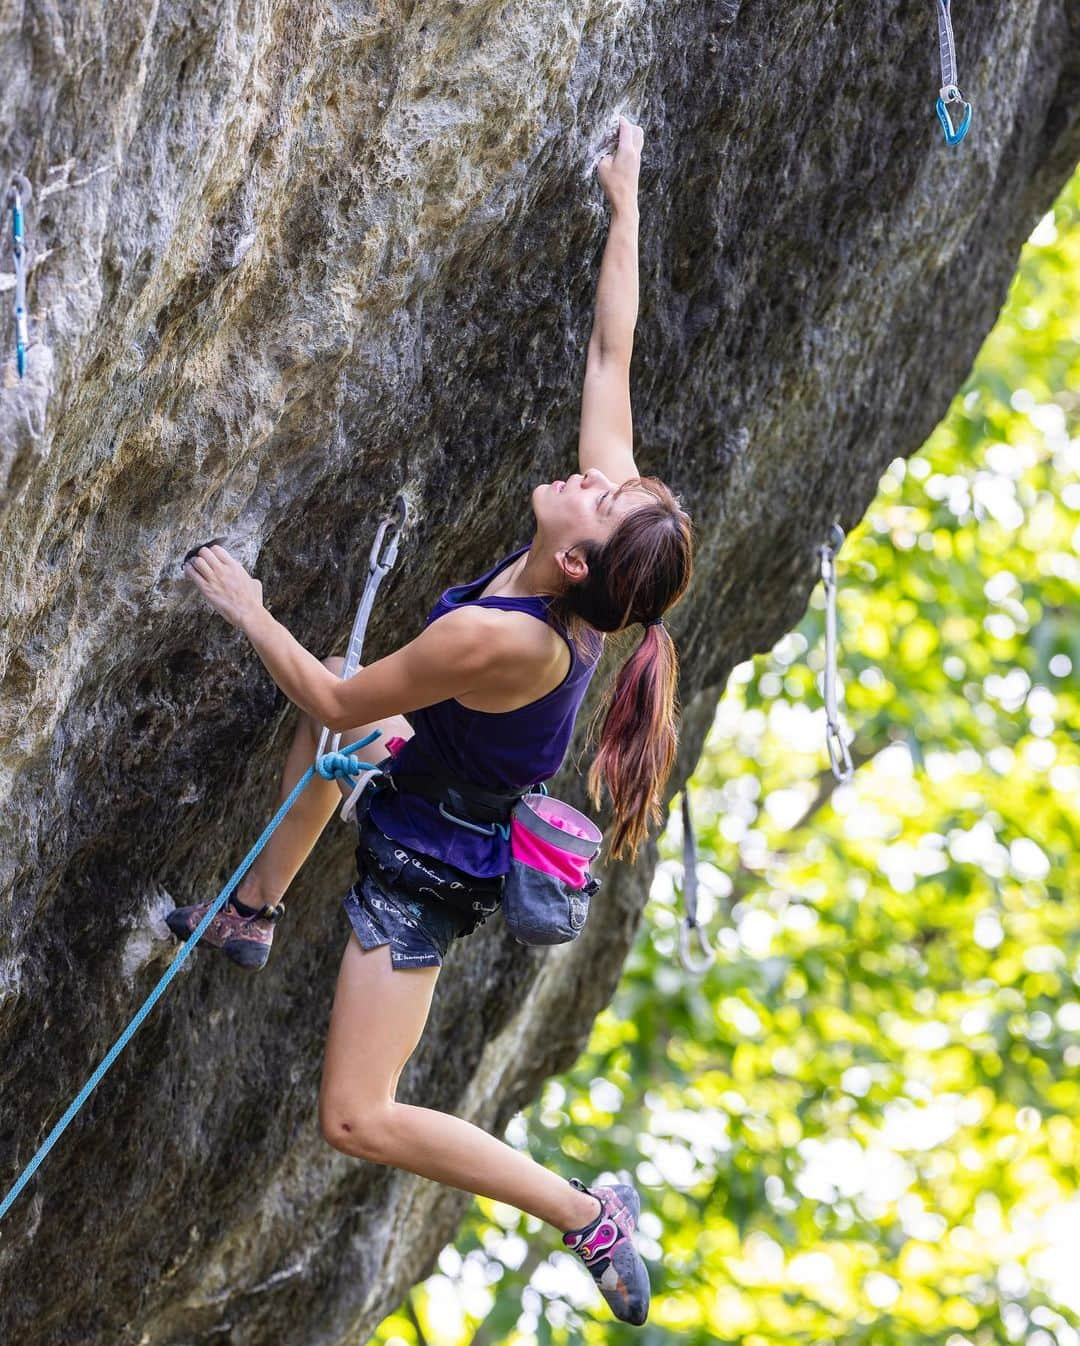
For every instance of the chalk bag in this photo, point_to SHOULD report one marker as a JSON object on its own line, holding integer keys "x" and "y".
{"x": 546, "y": 892}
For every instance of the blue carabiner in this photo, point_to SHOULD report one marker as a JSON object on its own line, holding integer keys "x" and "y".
{"x": 953, "y": 95}
{"x": 485, "y": 830}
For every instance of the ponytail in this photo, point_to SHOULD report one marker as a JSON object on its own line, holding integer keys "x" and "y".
{"x": 643, "y": 569}
{"x": 638, "y": 740}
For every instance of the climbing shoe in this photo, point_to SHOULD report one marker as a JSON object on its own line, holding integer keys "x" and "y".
{"x": 245, "y": 938}
{"x": 607, "y": 1249}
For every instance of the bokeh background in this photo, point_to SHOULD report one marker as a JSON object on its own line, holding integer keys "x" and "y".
{"x": 861, "y": 1124}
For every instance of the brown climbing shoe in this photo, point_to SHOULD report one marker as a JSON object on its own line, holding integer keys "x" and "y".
{"x": 244, "y": 939}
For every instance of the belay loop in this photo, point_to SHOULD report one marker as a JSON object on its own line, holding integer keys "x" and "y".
{"x": 954, "y": 112}
{"x": 839, "y": 757}
{"x": 18, "y": 197}
{"x": 689, "y": 926}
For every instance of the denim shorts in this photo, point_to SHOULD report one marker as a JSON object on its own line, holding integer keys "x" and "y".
{"x": 414, "y": 902}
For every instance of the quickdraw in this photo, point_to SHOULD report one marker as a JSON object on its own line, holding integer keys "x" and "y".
{"x": 837, "y": 744}
{"x": 378, "y": 566}
{"x": 18, "y": 197}
{"x": 689, "y": 927}
{"x": 953, "y": 110}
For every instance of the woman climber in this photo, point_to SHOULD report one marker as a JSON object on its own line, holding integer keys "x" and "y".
{"x": 490, "y": 691}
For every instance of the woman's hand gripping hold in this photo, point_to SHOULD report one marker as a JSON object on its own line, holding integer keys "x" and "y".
{"x": 618, "y": 172}
{"x": 225, "y": 584}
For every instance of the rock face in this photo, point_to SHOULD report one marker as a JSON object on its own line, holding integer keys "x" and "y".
{"x": 286, "y": 260}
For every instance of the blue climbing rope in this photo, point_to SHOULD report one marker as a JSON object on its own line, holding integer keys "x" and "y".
{"x": 330, "y": 766}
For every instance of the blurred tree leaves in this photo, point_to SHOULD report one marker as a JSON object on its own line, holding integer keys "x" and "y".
{"x": 861, "y": 1125}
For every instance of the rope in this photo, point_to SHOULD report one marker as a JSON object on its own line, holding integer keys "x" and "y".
{"x": 331, "y": 766}
{"x": 950, "y": 98}
{"x": 19, "y": 195}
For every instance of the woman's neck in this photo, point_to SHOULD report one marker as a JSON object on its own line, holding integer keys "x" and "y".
{"x": 532, "y": 574}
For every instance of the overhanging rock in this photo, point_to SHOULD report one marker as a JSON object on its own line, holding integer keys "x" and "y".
{"x": 286, "y": 260}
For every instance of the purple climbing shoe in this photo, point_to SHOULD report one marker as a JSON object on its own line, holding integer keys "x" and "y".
{"x": 244, "y": 939}
{"x": 606, "y": 1247}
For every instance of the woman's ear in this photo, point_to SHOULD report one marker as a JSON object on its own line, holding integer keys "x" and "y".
{"x": 572, "y": 564}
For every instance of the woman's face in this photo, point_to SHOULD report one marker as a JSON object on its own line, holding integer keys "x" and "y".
{"x": 585, "y": 506}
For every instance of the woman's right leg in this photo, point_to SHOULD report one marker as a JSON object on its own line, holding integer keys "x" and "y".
{"x": 243, "y": 927}
{"x": 276, "y": 865}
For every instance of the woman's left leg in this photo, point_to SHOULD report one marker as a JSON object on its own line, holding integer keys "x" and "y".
{"x": 376, "y": 1021}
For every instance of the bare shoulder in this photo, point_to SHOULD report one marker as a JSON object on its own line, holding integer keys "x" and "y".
{"x": 515, "y": 639}
{"x": 524, "y": 659}
{"x": 497, "y": 638}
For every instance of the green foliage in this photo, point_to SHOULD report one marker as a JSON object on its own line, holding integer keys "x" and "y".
{"x": 861, "y": 1124}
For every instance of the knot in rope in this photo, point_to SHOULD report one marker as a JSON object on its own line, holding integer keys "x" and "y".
{"x": 340, "y": 766}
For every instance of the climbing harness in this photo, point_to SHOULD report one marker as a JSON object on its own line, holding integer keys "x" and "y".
{"x": 839, "y": 757}
{"x": 546, "y": 892}
{"x": 486, "y": 811}
{"x": 953, "y": 110}
{"x": 689, "y": 926}
{"x": 332, "y": 766}
{"x": 19, "y": 195}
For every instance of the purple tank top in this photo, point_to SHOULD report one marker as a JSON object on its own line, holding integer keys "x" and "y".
{"x": 497, "y": 750}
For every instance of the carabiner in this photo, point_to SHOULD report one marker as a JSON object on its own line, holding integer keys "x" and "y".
{"x": 401, "y": 505}
{"x": 709, "y": 953}
{"x": 839, "y": 757}
{"x": 485, "y": 829}
{"x": 18, "y": 197}
{"x": 948, "y": 99}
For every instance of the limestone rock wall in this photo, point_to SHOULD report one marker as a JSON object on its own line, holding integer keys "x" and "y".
{"x": 287, "y": 259}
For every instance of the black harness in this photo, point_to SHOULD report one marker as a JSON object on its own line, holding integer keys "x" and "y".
{"x": 455, "y": 796}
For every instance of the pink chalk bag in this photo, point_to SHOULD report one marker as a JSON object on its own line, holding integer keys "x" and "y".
{"x": 545, "y": 896}
{"x": 546, "y": 893}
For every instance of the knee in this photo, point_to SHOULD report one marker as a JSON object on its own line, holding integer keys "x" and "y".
{"x": 358, "y": 1131}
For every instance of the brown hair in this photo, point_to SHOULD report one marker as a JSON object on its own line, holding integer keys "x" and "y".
{"x": 643, "y": 569}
